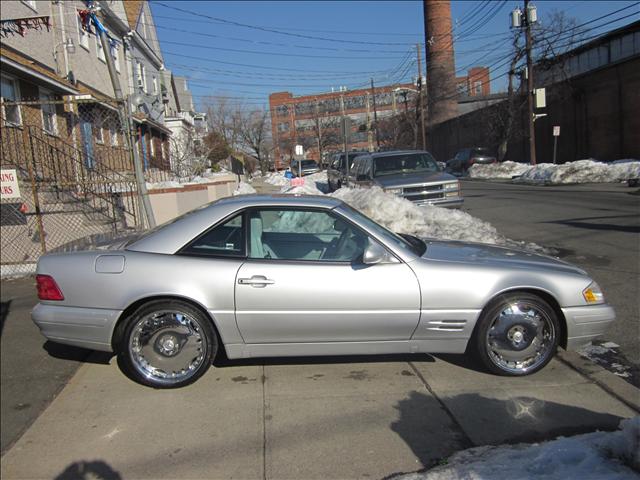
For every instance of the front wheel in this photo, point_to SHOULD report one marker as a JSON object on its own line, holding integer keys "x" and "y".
{"x": 167, "y": 344}
{"x": 517, "y": 335}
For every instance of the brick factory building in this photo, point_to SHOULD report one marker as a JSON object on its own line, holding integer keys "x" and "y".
{"x": 314, "y": 120}
{"x": 476, "y": 83}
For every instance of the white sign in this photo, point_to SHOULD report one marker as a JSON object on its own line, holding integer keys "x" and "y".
{"x": 299, "y": 150}
{"x": 9, "y": 184}
{"x": 556, "y": 131}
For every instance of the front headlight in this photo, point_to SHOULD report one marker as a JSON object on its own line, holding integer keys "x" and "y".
{"x": 394, "y": 191}
{"x": 452, "y": 186}
{"x": 593, "y": 293}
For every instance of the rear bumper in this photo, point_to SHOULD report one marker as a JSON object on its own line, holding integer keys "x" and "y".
{"x": 586, "y": 323}
{"x": 90, "y": 328}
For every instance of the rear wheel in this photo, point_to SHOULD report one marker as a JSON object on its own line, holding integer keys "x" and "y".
{"x": 518, "y": 335}
{"x": 167, "y": 344}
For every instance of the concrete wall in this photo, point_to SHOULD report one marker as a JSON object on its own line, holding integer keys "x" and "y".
{"x": 168, "y": 203}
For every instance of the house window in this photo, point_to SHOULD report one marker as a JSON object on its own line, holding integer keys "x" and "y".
{"x": 142, "y": 77}
{"x": 115, "y": 54}
{"x": 100, "y": 50}
{"x": 155, "y": 85}
{"x": 113, "y": 133}
{"x": 98, "y": 130}
{"x": 48, "y": 109}
{"x": 152, "y": 146}
{"x": 83, "y": 35}
{"x": 10, "y": 93}
{"x": 143, "y": 25}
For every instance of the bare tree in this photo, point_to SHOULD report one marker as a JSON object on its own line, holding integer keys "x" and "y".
{"x": 255, "y": 136}
{"x": 225, "y": 118}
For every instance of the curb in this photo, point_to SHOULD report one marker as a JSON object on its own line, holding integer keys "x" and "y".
{"x": 610, "y": 383}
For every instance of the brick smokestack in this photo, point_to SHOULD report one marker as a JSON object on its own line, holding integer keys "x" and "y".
{"x": 441, "y": 76}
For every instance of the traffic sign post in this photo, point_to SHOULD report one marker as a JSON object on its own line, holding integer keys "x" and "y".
{"x": 299, "y": 154}
{"x": 556, "y": 134}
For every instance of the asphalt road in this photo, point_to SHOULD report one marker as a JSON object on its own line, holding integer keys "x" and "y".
{"x": 596, "y": 227}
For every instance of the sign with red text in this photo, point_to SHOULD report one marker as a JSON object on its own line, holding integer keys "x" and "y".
{"x": 9, "y": 184}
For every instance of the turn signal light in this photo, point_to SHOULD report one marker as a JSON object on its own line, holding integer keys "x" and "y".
{"x": 48, "y": 288}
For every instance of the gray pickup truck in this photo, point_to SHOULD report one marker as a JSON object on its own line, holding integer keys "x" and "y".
{"x": 411, "y": 174}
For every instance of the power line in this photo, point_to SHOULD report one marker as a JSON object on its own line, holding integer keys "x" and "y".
{"x": 273, "y": 30}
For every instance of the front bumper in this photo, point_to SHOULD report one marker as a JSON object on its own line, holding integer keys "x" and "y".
{"x": 454, "y": 202}
{"x": 586, "y": 323}
{"x": 90, "y": 328}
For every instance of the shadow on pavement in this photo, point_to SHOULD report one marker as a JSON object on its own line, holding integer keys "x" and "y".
{"x": 222, "y": 361}
{"x": 77, "y": 354}
{"x": 96, "y": 469}
{"x": 490, "y": 421}
{"x": 4, "y": 312}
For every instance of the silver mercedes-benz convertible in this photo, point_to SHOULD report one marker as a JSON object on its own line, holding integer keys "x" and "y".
{"x": 284, "y": 275}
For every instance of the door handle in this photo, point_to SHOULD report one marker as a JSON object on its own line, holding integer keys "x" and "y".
{"x": 258, "y": 281}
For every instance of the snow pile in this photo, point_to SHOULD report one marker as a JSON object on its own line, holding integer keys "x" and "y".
{"x": 592, "y": 456}
{"x": 316, "y": 184}
{"x": 165, "y": 184}
{"x": 277, "y": 178}
{"x": 582, "y": 171}
{"x": 244, "y": 189}
{"x": 402, "y": 216}
{"x": 504, "y": 170}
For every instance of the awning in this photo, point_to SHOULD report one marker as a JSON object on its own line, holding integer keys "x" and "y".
{"x": 11, "y": 66}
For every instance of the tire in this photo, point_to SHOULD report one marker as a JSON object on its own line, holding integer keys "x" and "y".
{"x": 167, "y": 344}
{"x": 517, "y": 334}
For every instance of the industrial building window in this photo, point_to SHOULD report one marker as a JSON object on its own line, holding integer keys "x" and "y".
{"x": 477, "y": 87}
{"x": 10, "y": 93}
{"x": 48, "y": 109}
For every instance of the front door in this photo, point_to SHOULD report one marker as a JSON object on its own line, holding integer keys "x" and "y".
{"x": 304, "y": 282}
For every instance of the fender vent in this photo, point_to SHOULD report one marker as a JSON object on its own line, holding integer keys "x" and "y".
{"x": 447, "y": 325}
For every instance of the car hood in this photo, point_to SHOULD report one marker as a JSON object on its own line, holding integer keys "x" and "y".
{"x": 491, "y": 255}
{"x": 402, "y": 179}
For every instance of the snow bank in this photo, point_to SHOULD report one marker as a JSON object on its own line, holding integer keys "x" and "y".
{"x": 277, "y": 178}
{"x": 316, "y": 184}
{"x": 592, "y": 456}
{"x": 505, "y": 170}
{"x": 244, "y": 189}
{"x": 581, "y": 171}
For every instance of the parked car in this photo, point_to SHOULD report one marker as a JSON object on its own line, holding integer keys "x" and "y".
{"x": 309, "y": 167}
{"x": 414, "y": 175}
{"x": 465, "y": 158}
{"x": 263, "y": 276}
{"x": 337, "y": 171}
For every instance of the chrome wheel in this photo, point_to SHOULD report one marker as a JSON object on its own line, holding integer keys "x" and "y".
{"x": 522, "y": 336}
{"x": 168, "y": 347}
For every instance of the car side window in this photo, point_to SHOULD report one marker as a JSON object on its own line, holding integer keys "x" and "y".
{"x": 226, "y": 240}
{"x": 299, "y": 234}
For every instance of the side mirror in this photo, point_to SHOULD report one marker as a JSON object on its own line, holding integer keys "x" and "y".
{"x": 374, "y": 253}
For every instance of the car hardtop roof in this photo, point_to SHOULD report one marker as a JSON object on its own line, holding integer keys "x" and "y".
{"x": 396, "y": 152}
{"x": 278, "y": 199}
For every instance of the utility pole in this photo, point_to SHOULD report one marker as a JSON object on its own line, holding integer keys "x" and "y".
{"x": 344, "y": 136}
{"x": 528, "y": 20}
{"x": 375, "y": 113}
{"x": 125, "y": 121}
{"x": 420, "y": 98}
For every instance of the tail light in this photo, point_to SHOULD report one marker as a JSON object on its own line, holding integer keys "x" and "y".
{"x": 48, "y": 288}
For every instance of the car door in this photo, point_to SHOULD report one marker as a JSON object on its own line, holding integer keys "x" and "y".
{"x": 304, "y": 282}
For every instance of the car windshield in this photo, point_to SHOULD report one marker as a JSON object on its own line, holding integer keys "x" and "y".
{"x": 404, "y": 163}
{"x": 386, "y": 235}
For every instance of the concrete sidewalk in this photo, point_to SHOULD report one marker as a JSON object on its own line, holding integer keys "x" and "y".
{"x": 302, "y": 418}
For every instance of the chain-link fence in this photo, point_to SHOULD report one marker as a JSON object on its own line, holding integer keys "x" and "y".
{"x": 68, "y": 178}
